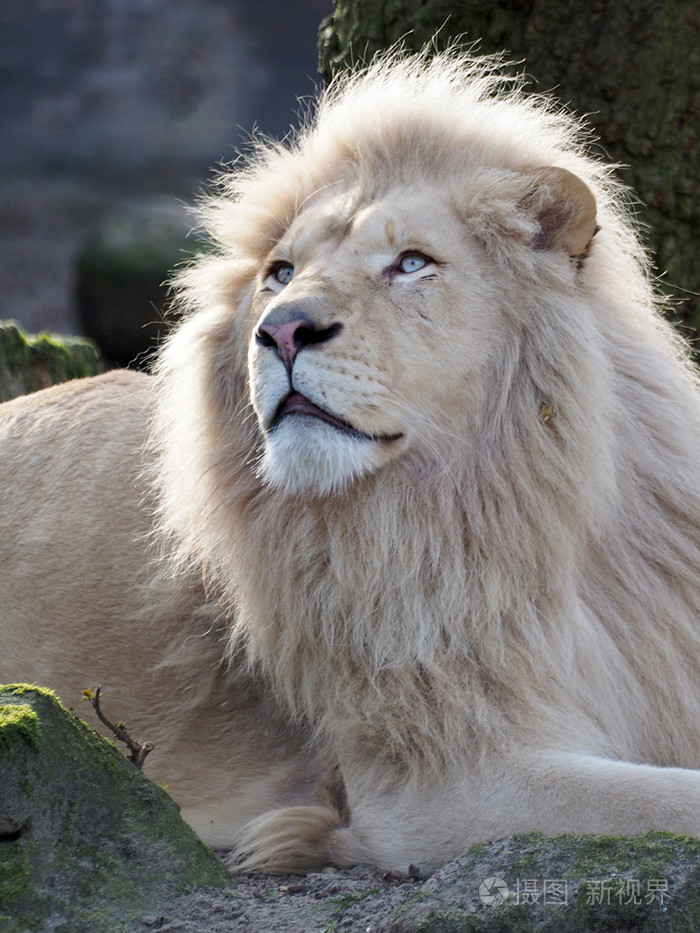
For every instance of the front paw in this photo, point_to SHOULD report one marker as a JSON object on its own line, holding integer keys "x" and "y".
{"x": 291, "y": 840}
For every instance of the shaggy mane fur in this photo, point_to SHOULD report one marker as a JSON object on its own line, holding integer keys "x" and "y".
{"x": 537, "y": 568}
{"x": 423, "y": 457}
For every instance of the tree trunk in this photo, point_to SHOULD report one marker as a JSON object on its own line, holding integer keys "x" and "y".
{"x": 632, "y": 67}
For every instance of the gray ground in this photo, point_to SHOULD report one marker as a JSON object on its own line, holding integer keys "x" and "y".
{"x": 356, "y": 900}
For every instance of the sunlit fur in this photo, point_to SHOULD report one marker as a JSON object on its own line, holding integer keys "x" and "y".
{"x": 557, "y": 566}
{"x": 302, "y": 459}
{"x": 483, "y": 627}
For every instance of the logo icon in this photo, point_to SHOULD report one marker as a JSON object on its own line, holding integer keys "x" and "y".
{"x": 493, "y": 892}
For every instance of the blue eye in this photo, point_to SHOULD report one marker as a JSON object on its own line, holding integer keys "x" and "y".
{"x": 283, "y": 273}
{"x": 412, "y": 262}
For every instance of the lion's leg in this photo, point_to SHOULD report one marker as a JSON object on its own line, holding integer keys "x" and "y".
{"x": 567, "y": 792}
{"x": 549, "y": 792}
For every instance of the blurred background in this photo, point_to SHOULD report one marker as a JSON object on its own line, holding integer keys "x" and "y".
{"x": 112, "y": 113}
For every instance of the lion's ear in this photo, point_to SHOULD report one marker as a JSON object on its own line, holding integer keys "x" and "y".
{"x": 565, "y": 209}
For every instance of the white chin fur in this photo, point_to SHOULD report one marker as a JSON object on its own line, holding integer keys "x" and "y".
{"x": 305, "y": 455}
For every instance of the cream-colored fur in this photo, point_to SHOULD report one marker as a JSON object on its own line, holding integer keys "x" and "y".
{"x": 451, "y": 591}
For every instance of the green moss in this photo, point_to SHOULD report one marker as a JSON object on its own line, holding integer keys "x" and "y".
{"x": 22, "y": 908}
{"x": 612, "y": 884}
{"x": 19, "y": 720}
{"x": 105, "y": 752}
{"x": 29, "y": 363}
{"x": 19, "y": 690}
{"x": 587, "y": 856}
{"x": 21, "y": 349}
{"x": 77, "y": 811}
{"x": 15, "y": 875}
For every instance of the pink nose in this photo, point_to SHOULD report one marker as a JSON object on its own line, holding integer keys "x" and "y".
{"x": 290, "y": 336}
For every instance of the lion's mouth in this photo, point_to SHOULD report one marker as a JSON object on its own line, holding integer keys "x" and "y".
{"x": 297, "y": 404}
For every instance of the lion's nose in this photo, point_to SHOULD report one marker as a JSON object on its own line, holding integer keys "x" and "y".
{"x": 290, "y": 334}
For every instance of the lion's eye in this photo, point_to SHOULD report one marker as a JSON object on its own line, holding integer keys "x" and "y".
{"x": 282, "y": 273}
{"x": 412, "y": 262}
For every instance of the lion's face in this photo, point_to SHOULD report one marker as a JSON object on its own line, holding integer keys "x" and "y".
{"x": 372, "y": 324}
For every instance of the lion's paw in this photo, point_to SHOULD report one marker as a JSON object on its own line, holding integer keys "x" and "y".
{"x": 291, "y": 840}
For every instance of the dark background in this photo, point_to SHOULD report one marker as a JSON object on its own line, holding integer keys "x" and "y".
{"x": 121, "y": 105}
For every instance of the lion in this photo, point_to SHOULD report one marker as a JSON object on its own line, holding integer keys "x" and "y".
{"x": 398, "y": 549}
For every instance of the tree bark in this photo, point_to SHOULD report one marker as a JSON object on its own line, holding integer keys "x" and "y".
{"x": 631, "y": 67}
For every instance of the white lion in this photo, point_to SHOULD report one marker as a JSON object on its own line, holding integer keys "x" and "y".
{"x": 423, "y": 464}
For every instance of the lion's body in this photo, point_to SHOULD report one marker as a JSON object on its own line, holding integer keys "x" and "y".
{"x": 424, "y": 474}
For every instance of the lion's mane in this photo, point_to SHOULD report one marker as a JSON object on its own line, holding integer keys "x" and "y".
{"x": 536, "y": 571}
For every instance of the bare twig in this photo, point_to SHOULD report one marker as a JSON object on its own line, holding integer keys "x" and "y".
{"x": 137, "y": 750}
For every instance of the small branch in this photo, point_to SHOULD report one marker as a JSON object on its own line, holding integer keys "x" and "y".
{"x": 137, "y": 750}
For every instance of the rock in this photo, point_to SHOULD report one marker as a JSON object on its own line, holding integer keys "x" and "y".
{"x": 568, "y": 884}
{"x": 28, "y": 363}
{"x": 562, "y": 885}
{"x": 87, "y": 843}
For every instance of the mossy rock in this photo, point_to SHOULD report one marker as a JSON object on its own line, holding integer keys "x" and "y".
{"x": 29, "y": 363}
{"x": 87, "y": 843}
{"x": 567, "y": 884}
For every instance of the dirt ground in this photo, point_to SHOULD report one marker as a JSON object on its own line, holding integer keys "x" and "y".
{"x": 356, "y": 900}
